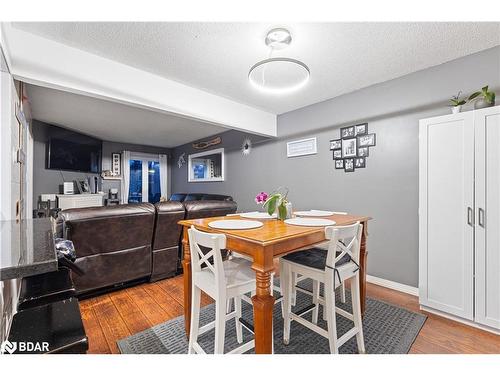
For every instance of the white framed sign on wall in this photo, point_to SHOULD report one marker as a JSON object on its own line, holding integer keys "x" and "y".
{"x": 301, "y": 147}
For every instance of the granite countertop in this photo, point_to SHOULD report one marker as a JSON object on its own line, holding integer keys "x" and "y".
{"x": 26, "y": 248}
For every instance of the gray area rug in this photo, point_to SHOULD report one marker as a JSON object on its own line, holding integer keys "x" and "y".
{"x": 388, "y": 329}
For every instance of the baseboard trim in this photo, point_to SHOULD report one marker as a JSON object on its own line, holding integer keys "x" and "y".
{"x": 392, "y": 285}
{"x": 459, "y": 320}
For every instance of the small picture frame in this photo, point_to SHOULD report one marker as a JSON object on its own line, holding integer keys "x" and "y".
{"x": 83, "y": 186}
{"x": 347, "y": 132}
{"x": 366, "y": 140}
{"x": 361, "y": 129}
{"x": 359, "y": 163}
{"x": 349, "y": 149}
{"x": 116, "y": 164}
{"x": 339, "y": 164}
{"x": 363, "y": 152}
{"x": 349, "y": 165}
{"x": 335, "y": 144}
{"x": 337, "y": 154}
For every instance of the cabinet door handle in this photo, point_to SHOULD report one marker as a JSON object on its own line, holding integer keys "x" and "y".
{"x": 481, "y": 217}
{"x": 470, "y": 216}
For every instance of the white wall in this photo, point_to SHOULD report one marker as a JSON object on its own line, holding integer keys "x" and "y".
{"x": 10, "y": 185}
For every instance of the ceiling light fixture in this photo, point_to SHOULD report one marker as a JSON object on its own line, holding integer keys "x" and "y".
{"x": 278, "y": 38}
{"x": 278, "y": 75}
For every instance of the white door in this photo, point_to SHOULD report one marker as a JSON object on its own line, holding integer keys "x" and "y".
{"x": 446, "y": 214}
{"x": 145, "y": 181}
{"x": 487, "y": 265}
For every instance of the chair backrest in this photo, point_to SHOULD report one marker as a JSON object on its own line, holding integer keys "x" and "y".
{"x": 345, "y": 239}
{"x": 212, "y": 257}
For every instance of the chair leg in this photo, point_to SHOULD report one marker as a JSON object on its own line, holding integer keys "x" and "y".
{"x": 285, "y": 279}
{"x": 356, "y": 312}
{"x": 195, "y": 318}
{"x": 329, "y": 311}
{"x": 229, "y": 305}
{"x": 220, "y": 325}
{"x": 342, "y": 292}
{"x": 279, "y": 290}
{"x": 239, "y": 328}
{"x": 294, "y": 288}
{"x": 315, "y": 301}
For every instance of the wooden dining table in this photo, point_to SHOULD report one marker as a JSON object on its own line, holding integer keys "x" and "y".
{"x": 274, "y": 239}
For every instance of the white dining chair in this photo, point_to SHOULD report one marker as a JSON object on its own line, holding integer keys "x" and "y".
{"x": 221, "y": 280}
{"x": 335, "y": 265}
{"x": 296, "y": 279}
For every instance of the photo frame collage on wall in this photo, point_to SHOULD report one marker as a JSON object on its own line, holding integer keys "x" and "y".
{"x": 353, "y": 147}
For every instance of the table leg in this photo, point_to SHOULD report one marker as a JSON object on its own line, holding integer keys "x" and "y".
{"x": 263, "y": 304}
{"x": 186, "y": 265}
{"x": 362, "y": 268}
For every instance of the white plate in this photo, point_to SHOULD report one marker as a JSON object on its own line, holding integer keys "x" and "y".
{"x": 235, "y": 224}
{"x": 306, "y": 222}
{"x": 314, "y": 213}
{"x": 257, "y": 215}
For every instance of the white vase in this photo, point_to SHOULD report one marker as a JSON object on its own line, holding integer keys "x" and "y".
{"x": 456, "y": 109}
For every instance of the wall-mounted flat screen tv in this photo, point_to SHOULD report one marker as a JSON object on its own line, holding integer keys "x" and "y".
{"x": 77, "y": 153}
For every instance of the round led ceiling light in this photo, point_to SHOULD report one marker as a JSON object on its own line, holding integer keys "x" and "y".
{"x": 278, "y": 75}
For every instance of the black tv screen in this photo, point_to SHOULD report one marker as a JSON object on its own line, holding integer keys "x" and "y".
{"x": 81, "y": 154}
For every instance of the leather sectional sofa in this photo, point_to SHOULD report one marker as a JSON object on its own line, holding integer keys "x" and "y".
{"x": 119, "y": 244}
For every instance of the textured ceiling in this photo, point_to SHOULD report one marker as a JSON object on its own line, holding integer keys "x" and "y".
{"x": 113, "y": 121}
{"x": 216, "y": 57}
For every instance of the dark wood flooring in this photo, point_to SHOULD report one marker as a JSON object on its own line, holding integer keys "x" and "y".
{"x": 110, "y": 317}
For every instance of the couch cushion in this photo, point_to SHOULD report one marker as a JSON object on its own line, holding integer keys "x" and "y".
{"x": 202, "y": 209}
{"x": 315, "y": 258}
{"x": 167, "y": 231}
{"x": 97, "y": 230}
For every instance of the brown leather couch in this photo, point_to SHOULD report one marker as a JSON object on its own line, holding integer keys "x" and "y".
{"x": 124, "y": 243}
{"x": 166, "y": 239}
{"x": 113, "y": 243}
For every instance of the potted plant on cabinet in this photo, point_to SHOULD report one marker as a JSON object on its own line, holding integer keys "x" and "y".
{"x": 483, "y": 98}
{"x": 457, "y": 103}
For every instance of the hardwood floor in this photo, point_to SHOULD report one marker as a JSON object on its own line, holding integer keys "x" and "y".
{"x": 116, "y": 315}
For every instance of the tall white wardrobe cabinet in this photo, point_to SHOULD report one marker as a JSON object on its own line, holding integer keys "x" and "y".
{"x": 459, "y": 216}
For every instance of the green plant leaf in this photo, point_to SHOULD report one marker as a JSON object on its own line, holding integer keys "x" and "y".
{"x": 271, "y": 203}
{"x": 282, "y": 212}
{"x": 474, "y": 95}
{"x": 485, "y": 90}
{"x": 490, "y": 97}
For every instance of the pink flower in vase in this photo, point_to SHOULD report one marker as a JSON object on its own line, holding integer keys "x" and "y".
{"x": 261, "y": 198}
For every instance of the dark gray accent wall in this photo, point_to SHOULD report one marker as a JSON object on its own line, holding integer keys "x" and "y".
{"x": 48, "y": 181}
{"x": 387, "y": 189}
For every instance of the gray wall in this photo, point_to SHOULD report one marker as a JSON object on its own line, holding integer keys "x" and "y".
{"x": 46, "y": 181}
{"x": 387, "y": 189}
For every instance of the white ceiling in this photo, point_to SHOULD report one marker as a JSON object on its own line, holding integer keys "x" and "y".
{"x": 113, "y": 121}
{"x": 216, "y": 57}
